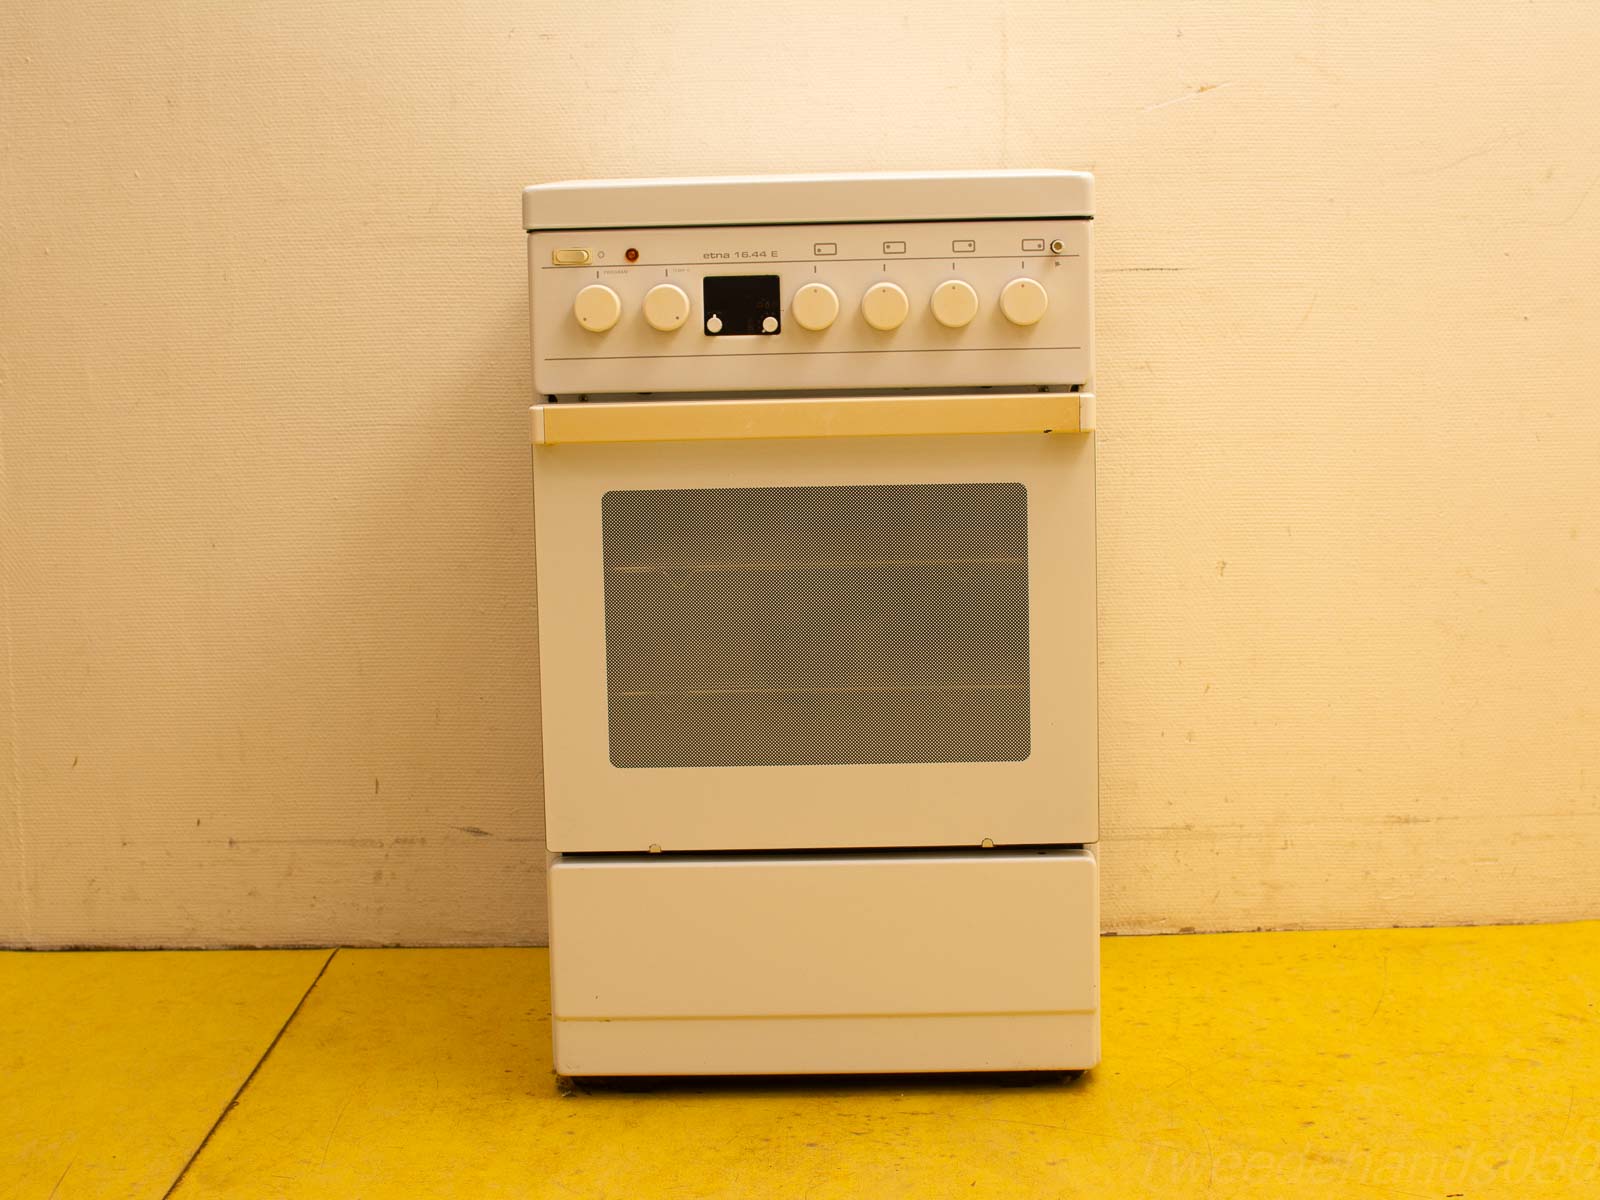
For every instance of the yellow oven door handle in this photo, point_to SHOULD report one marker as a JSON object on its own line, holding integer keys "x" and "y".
{"x": 811, "y": 417}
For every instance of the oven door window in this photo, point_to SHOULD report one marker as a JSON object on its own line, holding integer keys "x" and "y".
{"x": 813, "y": 626}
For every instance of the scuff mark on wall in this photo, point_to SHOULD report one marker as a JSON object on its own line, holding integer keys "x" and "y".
{"x": 1203, "y": 89}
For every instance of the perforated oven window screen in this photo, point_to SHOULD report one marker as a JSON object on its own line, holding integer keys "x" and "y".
{"x": 811, "y": 626}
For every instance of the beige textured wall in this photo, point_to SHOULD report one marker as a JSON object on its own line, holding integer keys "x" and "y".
{"x": 267, "y": 575}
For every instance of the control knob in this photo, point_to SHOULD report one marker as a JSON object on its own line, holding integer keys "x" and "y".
{"x": 815, "y": 306}
{"x": 1023, "y": 301}
{"x": 954, "y": 303}
{"x": 597, "y": 308}
{"x": 666, "y": 307}
{"x": 885, "y": 306}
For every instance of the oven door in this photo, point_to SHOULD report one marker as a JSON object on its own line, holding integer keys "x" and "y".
{"x": 817, "y": 622}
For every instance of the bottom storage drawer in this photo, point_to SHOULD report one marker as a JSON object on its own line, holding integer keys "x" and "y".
{"x": 964, "y": 960}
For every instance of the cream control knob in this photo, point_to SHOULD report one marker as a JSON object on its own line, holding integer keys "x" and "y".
{"x": 597, "y": 308}
{"x": 666, "y": 307}
{"x": 885, "y": 306}
{"x": 815, "y": 306}
{"x": 1023, "y": 301}
{"x": 954, "y": 303}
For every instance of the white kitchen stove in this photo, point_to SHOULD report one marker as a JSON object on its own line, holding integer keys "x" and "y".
{"x": 814, "y": 491}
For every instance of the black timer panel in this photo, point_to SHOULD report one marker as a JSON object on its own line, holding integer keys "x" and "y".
{"x": 737, "y": 305}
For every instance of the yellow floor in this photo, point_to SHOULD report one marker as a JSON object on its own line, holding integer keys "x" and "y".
{"x": 1385, "y": 1063}
{"x": 113, "y": 1066}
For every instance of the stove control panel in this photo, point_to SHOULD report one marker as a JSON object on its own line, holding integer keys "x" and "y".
{"x": 809, "y": 307}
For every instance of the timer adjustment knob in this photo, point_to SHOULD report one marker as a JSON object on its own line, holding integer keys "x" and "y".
{"x": 666, "y": 307}
{"x": 954, "y": 303}
{"x": 885, "y": 306}
{"x": 597, "y": 308}
{"x": 815, "y": 306}
{"x": 1023, "y": 301}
